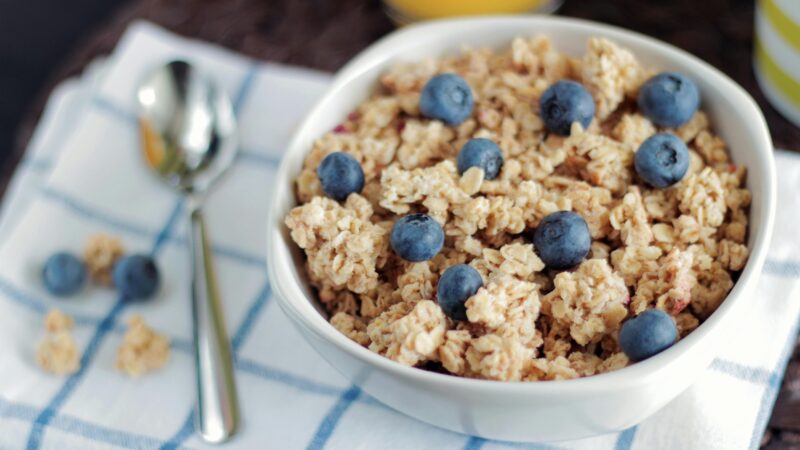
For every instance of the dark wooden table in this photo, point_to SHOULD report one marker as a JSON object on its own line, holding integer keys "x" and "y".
{"x": 324, "y": 34}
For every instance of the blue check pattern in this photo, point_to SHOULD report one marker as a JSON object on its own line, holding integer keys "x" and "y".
{"x": 52, "y": 416}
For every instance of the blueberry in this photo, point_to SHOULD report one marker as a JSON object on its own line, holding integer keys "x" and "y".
{"x": 563, "y": 103}
{"x": 483, "y": 153}
{"x": 136, "y": 277}
{"x": 669, "y": 99}
{"x": 457, "y": 284}
{"x": 562, "y": 240}
{"x": 647, "y": 334}
{"x": 63, "y": 274}
{"x": 662, "y": 160}
{"x": 417, "y": 237}
{"x": 446, "y": 97}
{"x": 340, "y": 175}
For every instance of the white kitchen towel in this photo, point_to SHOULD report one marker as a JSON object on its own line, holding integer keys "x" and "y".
{"x": 83, "y": 174}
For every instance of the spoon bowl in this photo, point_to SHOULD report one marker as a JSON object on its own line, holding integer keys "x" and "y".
{"x": 187, "y": 125}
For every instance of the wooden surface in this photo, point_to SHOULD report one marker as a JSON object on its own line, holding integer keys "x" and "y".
{"x": 324, "y": 34}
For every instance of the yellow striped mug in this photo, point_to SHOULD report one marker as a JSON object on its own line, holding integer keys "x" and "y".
{"x": 777, "y": 55}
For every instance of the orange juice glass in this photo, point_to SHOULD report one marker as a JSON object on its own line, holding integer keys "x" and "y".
{"x": 404, "y": 11}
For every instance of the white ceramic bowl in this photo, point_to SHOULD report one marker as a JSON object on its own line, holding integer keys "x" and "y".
{"x": 540, "y": 411}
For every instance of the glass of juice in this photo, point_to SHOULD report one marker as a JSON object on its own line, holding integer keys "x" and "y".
{"x": 406, "y": 11}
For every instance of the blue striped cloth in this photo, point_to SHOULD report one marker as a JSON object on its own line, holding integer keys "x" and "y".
{"x": 83, "y": 174}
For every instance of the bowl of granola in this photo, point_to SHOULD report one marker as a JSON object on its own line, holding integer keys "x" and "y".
{"x": 522, "y": 228}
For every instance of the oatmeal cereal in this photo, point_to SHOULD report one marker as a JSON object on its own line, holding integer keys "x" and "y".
{"x": 690, "y": 130}
{"x": 142, "y": 349}
{"x": 599, "y": 159}
{"x": 57, "y": 352}
{"x": 343, "y": 246}
{"x": 632, "y": 262}
{"x": 610, "y": 73}
{"x": 351, "y": 326}
{"x": 497, "y": 303}
{"x": 702, "y": 196}
{"x": 633, "y": 129}
{"x": 408, "y": 333}
{"x": 453, "y": 351}
{"x": 671, "y": 252}
{"x": 496, "y": 357}
{"x": 668, "y": 287}
{"x": 100, "y": 254}
{"x": 629, "y": 218}
{"x": 591, "y": 302}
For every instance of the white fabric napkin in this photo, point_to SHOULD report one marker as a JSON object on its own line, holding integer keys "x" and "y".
{"x": 83, "y": 174}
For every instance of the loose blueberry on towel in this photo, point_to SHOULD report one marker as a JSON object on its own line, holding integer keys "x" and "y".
{"x": 340, "y": 175}
{"x": 63, "y": 274}
{"x": 457, "y": 284}
{"x": 417, "y": 237}
{"x": 662, "y": 160}
{"x": 562, "y": 240}
{"x": 136, "y": 277}
{"x": 669, "y": 99}
{"x": 446, "y": 97}
{"x": 563, "y": 103}
{"x": 647, "y": 334}
{"x": 483, "y": 153}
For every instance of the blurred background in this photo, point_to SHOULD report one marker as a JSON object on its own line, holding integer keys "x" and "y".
{"x": 42, "y": 42}
{"x": 36, "y": 37}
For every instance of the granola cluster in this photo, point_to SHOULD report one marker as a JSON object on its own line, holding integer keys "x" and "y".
{"x": 142, "y": 349}
{"x": 57, "y": 352}
{"x": 100, "y": 254}
{"x": 677, "y": 249}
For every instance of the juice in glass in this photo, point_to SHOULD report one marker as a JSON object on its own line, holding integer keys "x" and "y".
{"x": 411, "y": 10}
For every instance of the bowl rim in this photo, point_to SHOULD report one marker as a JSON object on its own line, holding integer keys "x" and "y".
{"x": 299, "y": 307}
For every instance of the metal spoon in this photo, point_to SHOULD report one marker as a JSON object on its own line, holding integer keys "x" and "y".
{"x": 189, "y": 139}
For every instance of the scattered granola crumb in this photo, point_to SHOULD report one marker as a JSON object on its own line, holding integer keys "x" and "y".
{"x": 142, "y": 349}
{"x": 100, "y": 254}
{"x": 57, "y": 352}
{"x": 56, "y": 321}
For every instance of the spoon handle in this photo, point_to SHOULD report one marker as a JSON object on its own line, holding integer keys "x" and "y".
{"x": 217, "y": 412}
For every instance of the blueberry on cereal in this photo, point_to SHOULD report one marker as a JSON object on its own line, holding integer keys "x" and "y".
{"x": 483, "y": 153}
{"x": 562, "y": 240}
{"x": 563, "y": 103}
{"x": 669, "y": 99}
{"x": 457, "y": 284}
{"x": 446, "y": 97}
{"x": 136, "y": 277}
{"x": 340, "y": 175}
{"x": 63, "y": 274}
{"x": 416, "y": 237}
{"x": 662, "y": 160}
{"x": 647, "y": 334}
